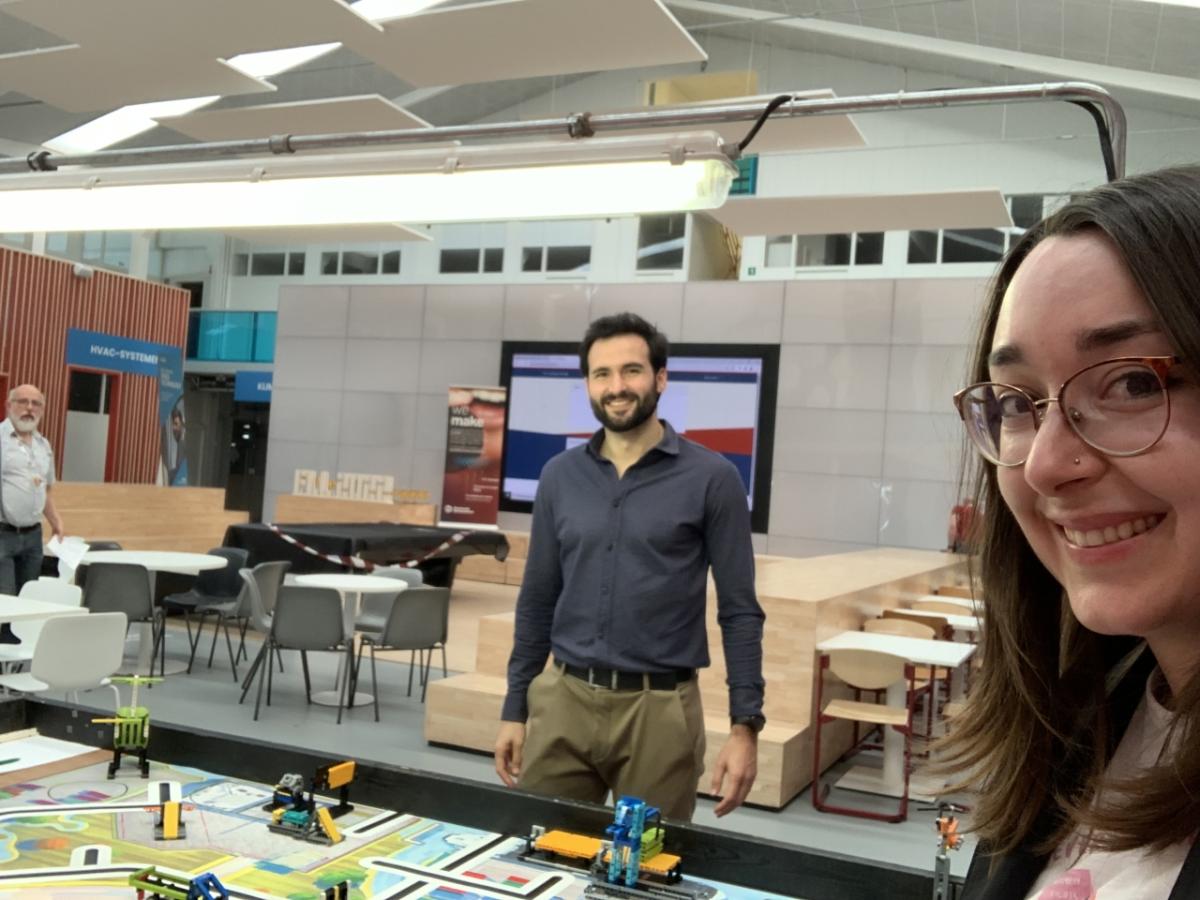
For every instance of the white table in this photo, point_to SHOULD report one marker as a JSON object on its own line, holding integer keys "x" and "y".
{"x": 973, "y": 607}
{"x": 968, "y": 623}
{"x": 155, "y": 561}
{"x": 942, "y": 654}
{"x": 13, "y": 608}
{"x": 351, "y": 587}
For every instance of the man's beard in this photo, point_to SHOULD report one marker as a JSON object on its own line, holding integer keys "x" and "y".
{"x": 644, "y": 408}
{"x": 25, "y": 424}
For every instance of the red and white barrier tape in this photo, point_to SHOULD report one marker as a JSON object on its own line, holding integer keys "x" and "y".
{"x": 357, "y": 562}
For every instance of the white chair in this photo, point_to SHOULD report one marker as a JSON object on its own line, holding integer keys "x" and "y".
{"x": 74, "y": 653}
{"x": 51, "y": 590}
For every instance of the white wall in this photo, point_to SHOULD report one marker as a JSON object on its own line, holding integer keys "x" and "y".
{"x": 866, "y": 447}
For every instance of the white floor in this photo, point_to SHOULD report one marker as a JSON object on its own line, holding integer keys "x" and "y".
{"x": 208, "y": 698}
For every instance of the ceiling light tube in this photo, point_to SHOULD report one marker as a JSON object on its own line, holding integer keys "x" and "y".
{"x": 593, "y": 178}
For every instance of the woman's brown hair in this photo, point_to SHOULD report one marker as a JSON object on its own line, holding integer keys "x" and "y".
{"x": 1037, "y": 732}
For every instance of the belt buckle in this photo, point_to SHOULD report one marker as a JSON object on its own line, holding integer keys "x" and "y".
{"x": 591, "y": 679}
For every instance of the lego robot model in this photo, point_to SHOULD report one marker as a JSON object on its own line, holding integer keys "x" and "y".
{"x": 295, "y": 812}
{"x": 631, "y": 840}
{"x": 150, "y": 882}
{"x": 948, "y": 839}
{"x": 131, "y": 727}
{"x": 629, "y": 863}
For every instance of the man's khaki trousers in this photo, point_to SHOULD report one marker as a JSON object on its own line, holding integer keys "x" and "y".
{"x": 583, "y": 741}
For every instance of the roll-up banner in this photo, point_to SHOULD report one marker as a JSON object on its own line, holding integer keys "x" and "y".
{"x": 474, "y": 446}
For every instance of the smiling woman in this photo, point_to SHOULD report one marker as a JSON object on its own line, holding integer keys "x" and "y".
{"x": 1084, "y": 726}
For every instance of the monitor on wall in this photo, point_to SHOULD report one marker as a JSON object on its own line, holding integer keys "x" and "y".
{"x": 719, "y": 395}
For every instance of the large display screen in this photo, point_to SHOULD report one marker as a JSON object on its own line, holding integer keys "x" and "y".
{"x": 719, "y": 395}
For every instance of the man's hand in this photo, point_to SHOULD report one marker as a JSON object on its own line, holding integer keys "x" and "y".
{"x": 736, "y": 769}
{"x": 509, "y": 745}
{"x": 56, "y": 526}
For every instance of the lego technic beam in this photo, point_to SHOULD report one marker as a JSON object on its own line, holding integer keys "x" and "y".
{"x": 1106, "y": 112}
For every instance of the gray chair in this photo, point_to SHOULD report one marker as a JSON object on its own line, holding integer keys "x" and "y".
{"x": 261, "y": 585}
{"x": 81, "y": 572}
{"x": 305, "y": 619}
{"x": 374, "y": 608}
{"x": 417, "y": 622}
{"x": 215, "y": 589}
{"x": 125, "y": 588}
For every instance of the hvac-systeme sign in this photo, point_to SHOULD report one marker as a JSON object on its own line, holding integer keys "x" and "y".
{"x": 96, "y": 350}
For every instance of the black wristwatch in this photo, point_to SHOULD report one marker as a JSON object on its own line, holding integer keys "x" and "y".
{"x": 754, "y": 723}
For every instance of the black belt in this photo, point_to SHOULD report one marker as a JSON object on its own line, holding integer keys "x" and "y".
{"x": 19, "y": 529}
{"x": 615, "y": 680}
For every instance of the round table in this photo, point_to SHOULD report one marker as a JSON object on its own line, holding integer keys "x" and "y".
{"x": 351, "y": 587}
{"x": 154, "y": 561}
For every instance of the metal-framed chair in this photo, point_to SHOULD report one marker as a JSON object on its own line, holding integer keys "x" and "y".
{"x": 262, "y": 584}
{"x": 305, "y": 618}
{"x": 124, "y": 587}
{"x": 214, "y": 591}
{"x": 864, "y": 670}
{"x": 74, "y": 653}
{"x": 417, "y": 623}
{"x": 51, "y": 590}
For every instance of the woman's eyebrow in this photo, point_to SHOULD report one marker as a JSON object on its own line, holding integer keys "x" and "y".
{"x": 1087, "y": 340}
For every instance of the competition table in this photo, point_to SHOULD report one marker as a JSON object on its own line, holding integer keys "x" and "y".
{"x": 155, "y": 561}
{"x": 944, "y": 655}
{"x": 224, "y": 822}
{"x": 383, "y": 543}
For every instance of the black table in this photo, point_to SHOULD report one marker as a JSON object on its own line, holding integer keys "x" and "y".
{"x": 383, "y": 543}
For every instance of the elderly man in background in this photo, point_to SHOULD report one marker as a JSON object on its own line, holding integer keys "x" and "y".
{"x": 26, "y": 475}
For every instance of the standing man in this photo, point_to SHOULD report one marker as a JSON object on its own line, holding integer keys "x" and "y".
{"x": 625, "y": 528}
{"x": 26, "y": 474}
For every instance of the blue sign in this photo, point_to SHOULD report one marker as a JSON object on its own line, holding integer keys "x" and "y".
{"x": 252, "y": 387}
{"x": 96, "y": 350}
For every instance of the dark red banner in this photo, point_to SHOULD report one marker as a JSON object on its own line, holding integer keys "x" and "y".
{"x": 474, "y": 444}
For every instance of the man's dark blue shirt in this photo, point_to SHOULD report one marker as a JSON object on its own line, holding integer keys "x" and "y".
{"x": 616, "y": 575}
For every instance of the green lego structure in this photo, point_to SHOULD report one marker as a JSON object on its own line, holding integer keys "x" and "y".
{"x": 131, "y": 726}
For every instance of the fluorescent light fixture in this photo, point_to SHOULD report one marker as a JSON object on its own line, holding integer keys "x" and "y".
{"x": 592, "y": 178}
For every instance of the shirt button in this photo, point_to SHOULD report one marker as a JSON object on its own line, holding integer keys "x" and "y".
{"x": 616, "y": 503}
{"x": 610, "y": 548}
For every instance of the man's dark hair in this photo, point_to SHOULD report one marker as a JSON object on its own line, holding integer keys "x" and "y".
{"x": 625, "y": 323}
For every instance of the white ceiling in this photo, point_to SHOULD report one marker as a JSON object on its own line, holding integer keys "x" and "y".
{"x": 1140, "y": 47}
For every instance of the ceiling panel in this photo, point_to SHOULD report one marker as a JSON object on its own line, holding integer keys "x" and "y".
{"x": 339, "y": 114}
{"x": 218, "y": 28}
{"x": 328, "y": 234}
{"x": 982, "y": 208}
{"x": 523, "y": 38}
{"x": 81, "y": 79}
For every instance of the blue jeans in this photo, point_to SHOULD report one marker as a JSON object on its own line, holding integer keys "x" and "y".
{"x": 20, "y": 559}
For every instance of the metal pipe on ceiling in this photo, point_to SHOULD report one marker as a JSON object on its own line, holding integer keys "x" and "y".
{"x": 1108, "y": 113}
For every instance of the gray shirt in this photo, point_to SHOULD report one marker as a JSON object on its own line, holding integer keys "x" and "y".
{"x": 616, "y": 575}
{"x": 27, "y": 469}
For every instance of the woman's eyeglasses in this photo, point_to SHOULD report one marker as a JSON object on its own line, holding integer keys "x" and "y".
{"x": 1120, "y": 407}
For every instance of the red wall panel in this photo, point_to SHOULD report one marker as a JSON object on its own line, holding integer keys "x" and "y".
{"x": 40, "y": 298}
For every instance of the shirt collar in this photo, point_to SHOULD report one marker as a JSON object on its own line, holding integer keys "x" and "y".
{"x": 9, "y": 430}
{"x": 669, "y": 443}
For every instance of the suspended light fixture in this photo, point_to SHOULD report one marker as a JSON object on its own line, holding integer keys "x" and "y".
{"x": 545, "y": 180}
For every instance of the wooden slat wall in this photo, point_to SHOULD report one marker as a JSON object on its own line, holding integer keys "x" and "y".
{"x": 40, "y": 298}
